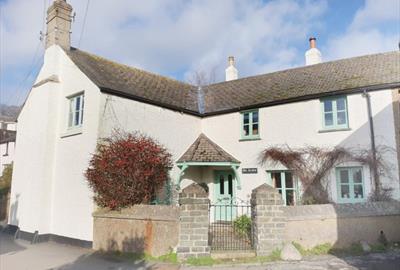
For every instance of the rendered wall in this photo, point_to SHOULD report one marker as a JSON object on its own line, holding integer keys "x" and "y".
{"x": 150, "y": 229}
{"x": 49, "y": 192}
{"x": 342, "y": 225}
{"x": 299, "y": 124}
{"x": 175, "y": 130}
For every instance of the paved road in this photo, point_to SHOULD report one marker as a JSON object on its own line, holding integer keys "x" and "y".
{"x": 20, "y": 255}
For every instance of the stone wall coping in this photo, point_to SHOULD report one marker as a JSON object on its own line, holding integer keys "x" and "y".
{"x": 194, "y": 190}
{"x": 328, "y": 211}
{"x": 166, "y": 213}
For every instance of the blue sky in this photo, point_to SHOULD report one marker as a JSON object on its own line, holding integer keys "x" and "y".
{"x": 178, "y": 38}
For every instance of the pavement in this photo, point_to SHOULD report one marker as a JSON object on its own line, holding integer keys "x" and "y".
{"x": 21, "y": 255}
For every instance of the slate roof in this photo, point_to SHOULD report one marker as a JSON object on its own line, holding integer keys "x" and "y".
{"x": 135, "y": 83}
{"x": 7, "y": 136}
{"x": 336, "y": 77}
{"x": 205, "y": 150}
{"x": 373, "y": 72}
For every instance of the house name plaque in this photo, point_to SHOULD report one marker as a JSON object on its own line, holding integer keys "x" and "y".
{"x": 249, "y": 170}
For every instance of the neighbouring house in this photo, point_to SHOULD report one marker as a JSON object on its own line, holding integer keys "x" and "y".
{"x": 215, "y": 132}
{"x": 8, "y": 131}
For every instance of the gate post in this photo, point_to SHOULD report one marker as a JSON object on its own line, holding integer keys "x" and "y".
{"x": 268, "y": 219}
{"x": 193, "y": 223}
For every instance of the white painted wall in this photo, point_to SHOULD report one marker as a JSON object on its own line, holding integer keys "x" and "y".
{"x": 7, "y": 152}
{"x": 49, "y": 192}
{"x": 298, "y": 124}
{"x": 175, "y": 130}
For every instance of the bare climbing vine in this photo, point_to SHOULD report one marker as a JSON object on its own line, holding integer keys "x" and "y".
{"x": 312, "y": 164}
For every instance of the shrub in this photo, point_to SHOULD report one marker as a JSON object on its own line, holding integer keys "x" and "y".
{"x": 127, "y": 169}
{"x": 5, "y": 180}
{"x": 242, "y": 225}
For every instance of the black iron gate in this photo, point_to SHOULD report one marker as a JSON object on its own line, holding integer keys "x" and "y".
{"x": 230, "y": 226}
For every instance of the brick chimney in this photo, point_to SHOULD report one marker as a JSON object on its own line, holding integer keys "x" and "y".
{"x": 231, "y": 73}
{"x": 59, "y": 24}
{"x": 313, "y": 55}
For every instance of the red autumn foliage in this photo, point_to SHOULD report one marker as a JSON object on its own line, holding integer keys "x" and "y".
{"x": 127, "y": 169}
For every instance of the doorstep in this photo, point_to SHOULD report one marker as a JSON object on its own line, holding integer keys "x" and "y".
{"x": 233, "y": 254}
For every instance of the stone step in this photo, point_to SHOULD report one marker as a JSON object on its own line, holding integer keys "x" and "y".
{"x": 233, "y": 254}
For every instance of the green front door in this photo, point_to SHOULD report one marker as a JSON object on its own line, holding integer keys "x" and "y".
{"x": 223, "y": 195}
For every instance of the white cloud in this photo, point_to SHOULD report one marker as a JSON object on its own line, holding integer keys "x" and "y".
{"x": 170, "y": 37}
{"x": 179, "y": 37}
{"x": 366, "y": 34}
{"x": 376, "y": 12}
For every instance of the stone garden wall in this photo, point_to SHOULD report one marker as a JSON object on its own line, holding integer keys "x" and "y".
{"x": 268, "y": 219}
{"x": 193, "y": 223}
{"x": 150, "y": 229}
{"x": 343, "y": 224}
{"x": 158, "y": 230}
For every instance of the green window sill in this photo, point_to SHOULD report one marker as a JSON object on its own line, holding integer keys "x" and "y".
{"x": 341, "y": 201}
{"x": 249, "y": 139}
{"x": 333, "y": 130}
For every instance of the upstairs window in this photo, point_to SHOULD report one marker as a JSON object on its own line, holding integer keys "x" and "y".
{"x": 334, "y": 113}
{"x": 350, "y": 185}
{"x": 76, "y": 106}
{"x": 250, "y": 125}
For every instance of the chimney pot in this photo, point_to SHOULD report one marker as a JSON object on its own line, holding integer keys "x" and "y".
{"x": 231, "y": 60}
{"x": 231, "y": 72}
{"x": 313, "y": 55}
{"x": 313, "y": 42}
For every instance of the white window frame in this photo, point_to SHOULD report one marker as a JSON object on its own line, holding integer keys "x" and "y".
{"x": 72, "y": 111}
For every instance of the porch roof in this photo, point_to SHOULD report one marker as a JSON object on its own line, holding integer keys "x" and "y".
{"x": 203, "y": 150}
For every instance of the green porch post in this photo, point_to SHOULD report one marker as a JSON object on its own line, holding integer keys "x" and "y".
{"x": 182, "y": 167}
{"x": 238, "y": 182}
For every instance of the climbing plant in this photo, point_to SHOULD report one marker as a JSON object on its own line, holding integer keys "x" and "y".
{"x": 128, "y": 169}
{"x": 312, "y": 164}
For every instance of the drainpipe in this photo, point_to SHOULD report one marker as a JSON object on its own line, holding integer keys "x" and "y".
{"x": 372, "y": 136}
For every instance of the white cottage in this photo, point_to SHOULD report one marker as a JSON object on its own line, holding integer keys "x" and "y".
{"x": 8, "y": 130}
{"x": 215, "y": 133}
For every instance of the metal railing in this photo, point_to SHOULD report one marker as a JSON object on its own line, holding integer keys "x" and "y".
{"x": 230, "y": 226}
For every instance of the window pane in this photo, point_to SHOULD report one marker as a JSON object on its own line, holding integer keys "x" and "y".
{"x": 328, "y": 106}
{"x": 357, "y": 176}
{"x": 76, "y": 120}
{"x": 341, "y": 118}
{"x": 77, "y": 103}
{"x": 288, "y": 180}
{"x": 230, "y": 185}
{"x": 255, "y": 129}
{"x": 329, "y": 119}
{"x": 221, "y": 185}
{"x": 358, "y": 192}
{"x": 246, "y": 118}
{"x": 75, "y": 114}
{"x": 246, "y": 130}
{"x": 341, "y": 104}
{"x": 255, "y": 117}
{"x": 345, "y": 191}
{"x": 289, "y": 197}
{"x": 277, "y": 179}
{"x": 344, "y": 176}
